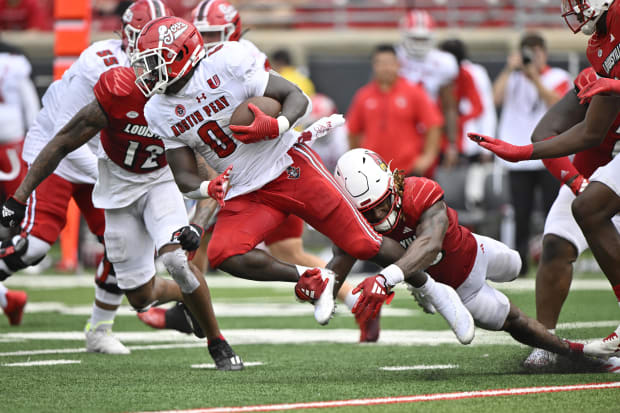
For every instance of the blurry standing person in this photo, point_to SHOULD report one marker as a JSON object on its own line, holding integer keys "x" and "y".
{"x": 526, "y": 89}
{"x": 282, "y": 63}
{"x": 395, "y": 118}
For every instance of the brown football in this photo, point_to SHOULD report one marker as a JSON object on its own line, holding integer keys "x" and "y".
{"x": 243, "y": 116}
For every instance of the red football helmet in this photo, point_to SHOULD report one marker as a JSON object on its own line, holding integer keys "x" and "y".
{"x": 417, "y": 30}
{"x": 582, "y": 15}
{"x": 136, "y": 16}
{"x": 218, "y": 17}
{"x": 166, "y": 50}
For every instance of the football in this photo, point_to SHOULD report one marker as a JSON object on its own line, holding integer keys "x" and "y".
{"x": 243, "y": 116}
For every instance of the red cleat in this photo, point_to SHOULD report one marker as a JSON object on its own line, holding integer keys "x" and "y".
{"x": 154, "y": 317}
{"x": 369, "y": 330}
{"x": 16, "y": 301}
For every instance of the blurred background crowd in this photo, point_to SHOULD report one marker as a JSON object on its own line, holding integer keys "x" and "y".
{"x": 410, "y": 89}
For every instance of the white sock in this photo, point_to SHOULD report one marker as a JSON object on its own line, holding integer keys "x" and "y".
{"x": 429, "y": 287}
{"x": 351, "y": 299}
{"x": 3, "y": 291}
{"x": 101, "y": 319}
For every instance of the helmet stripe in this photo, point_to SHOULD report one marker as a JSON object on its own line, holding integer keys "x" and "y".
{"x": 202, "y": 11}
{"x": 156, "y": 9}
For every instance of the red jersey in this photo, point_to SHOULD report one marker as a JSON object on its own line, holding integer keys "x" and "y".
{"x": 469, "y": 103}
{"x": 127, "y": 140}
{"x": 604, "y": 50}
{"x": 589, "y": 160}
{"x": 393, "y": 123}
{"x": 459, "y": 249}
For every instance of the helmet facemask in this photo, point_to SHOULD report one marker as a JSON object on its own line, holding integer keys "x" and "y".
{"x": 224, "y": 31}
{"x": 582, "y": 15}
{"x": 131, "y": 37}
{"x": 417, "y": 45}
{"x": 151, "y": 70}
{"x": 389, "y": 220}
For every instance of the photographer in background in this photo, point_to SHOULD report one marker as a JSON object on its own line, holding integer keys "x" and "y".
{"x": 525, "y": 89}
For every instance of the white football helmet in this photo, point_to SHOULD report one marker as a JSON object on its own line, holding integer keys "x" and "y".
{"x": 417, "y": 31}
{"x": 582, "y": 15}
{"x": 367, "y": 182}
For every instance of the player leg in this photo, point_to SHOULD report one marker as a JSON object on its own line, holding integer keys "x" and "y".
{"x": 12, "y": 303}
{"x": 108, "y": 296}
{"x": 164, "y": 214}
{"x": 594, "y": 210}
{"x": 563, "y": 242}
{"x": 335, "y": 217}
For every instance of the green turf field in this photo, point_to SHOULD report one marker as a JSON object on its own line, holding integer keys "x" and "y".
{"x": 296, "y": 360}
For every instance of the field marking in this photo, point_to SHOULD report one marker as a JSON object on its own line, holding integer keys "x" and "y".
{"x": 41, "y": 363}
{"x": 520, "y": 391}
{"x": 222, "y": 280}
{"x": 212, "y": 366}
{"x": 420, "y": 367}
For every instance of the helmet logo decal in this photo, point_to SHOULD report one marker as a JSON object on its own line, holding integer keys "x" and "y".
{"x": 169, "y": 34}
{"x": 378, "y": 160}
{"x": 127, "y": 16}
{"x": 228, "y": 10}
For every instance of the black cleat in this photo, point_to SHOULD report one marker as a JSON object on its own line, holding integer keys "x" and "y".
{"x": 179, "y": 318}
{"x": 224, "y": 356}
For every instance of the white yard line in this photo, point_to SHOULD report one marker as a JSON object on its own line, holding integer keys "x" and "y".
{"x": 212, "y": 366}
{"x": 41, "y": 363}
{"x": 420, "y": 367}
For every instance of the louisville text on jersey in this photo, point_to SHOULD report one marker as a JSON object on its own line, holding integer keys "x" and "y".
{"x": 140, "y": 130}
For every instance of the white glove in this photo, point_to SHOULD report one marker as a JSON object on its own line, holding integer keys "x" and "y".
{"x": 321, "y": 127}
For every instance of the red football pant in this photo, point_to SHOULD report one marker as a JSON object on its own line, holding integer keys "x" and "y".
{"x": 307, "y": 190}
{"x": 46, "y": 212}
{"x": 291, "y": 227}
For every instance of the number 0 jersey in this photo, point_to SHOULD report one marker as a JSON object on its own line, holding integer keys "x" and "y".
{"x": 458, "y": 251}
{"x": 131, "y": 157}
{"x": 198, "y": 116}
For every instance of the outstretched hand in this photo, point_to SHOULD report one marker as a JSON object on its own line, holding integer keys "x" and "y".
{"x": 321, "y": 127}
{"x": 373, "y": 293}
{"x": 600, "y": 86}
{"x": 503, "y": 149}
{"x": 219, "y": 186}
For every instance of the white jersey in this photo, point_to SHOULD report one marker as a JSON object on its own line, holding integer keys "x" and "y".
{"x": 198, "y": 116}
{"x": 63, "y": 99}
{"x": 19, "y": 102}
{"x": 261, "y": 58}
{"x": 523, "y": 107}
{"x": 486, "y": 123}
{"x": 433, "y": 70}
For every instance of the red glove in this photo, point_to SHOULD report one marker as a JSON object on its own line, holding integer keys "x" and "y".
{"x": 264, "y": 127}
{"x": 577, "y": 184}
{"x": 219, "y": 186}
{"x": 503, "y": 149}
{"x": 374, "y": 292}
{"x": 600, "y": 86}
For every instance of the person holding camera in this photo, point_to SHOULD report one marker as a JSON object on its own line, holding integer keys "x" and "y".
{"x": 526, "y": 89}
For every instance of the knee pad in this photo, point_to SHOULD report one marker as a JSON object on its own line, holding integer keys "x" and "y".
{"x": 105, "y": 277}
{"x": 177, "y": 265}
{"x": 489, "y": 308}
{"x": 13, "y": 252}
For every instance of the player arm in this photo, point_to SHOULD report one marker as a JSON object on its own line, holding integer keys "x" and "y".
{"x": 430, "y": 233}
{"x": 184, "y": 168}
{"x": 588, "y": 133}
{"x": 294, "y": 102}
{"x": 79, "y": 130}
{"x": 560, "y": 117}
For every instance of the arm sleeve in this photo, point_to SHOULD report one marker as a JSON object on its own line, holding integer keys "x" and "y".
{"x": 423, "y": 194}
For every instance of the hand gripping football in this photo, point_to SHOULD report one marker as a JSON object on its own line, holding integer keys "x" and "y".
{"x": 243, "y": 116}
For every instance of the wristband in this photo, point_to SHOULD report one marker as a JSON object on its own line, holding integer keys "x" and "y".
{"x": 201, "y": 192}
{"x": 283, "y": 124}
{"x": 392, "y": 274}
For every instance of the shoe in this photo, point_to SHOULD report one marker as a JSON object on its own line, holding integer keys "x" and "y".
{"x": 224, "y": 356}
{"x": 369, "y": 330}
{"x": 101, "y": 340}
{"x": 175, "y": 318}
{"x": 422, "y": 299}
{"x": 317, "y": 286}
{"x": 449, "y": 305}
{"x": 612, "y": 365}
{"x": 607, "y": 347}
{"x": 16, "y": 301}
{"x": 539, "y": 359}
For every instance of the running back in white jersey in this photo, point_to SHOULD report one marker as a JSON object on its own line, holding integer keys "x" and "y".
{"x": 19, "y": 102}
{"x": 63, "y": 99}
{"x": 199, "y": 117}
{"x": 434, "y": 70}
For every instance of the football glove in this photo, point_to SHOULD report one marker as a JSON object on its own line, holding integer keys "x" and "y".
{"x": 600, "y": 86}
{"x": 219, "y": 186}
{"x": 13, "y": 213}
{"x": 264, "y": 127}
{"x": 321, "y": 127}
{"x": 374, "y": 291}
{"x": 503, "y": 149}
{"x": 188, "y": 236}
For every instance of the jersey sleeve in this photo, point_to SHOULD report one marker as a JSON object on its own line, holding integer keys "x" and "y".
{"x": 113, "y": 86}
{"x": 245, "y": 67}
{"x": 78, "y": 94}
{"x": 421, "y": 194}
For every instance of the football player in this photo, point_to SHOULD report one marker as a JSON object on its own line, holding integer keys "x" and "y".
{"x": 599, "y": 202}
{"x": 218, "y": 21}
{"x": 193, "y": 94}
{"x": 77, "y": 173}
{"x": 412, "y": 212}
{"x": 142, "y": 205}
{"x": 422, "y": 63}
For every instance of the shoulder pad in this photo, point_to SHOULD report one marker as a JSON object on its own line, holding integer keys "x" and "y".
{"x": 115, "y": 83}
